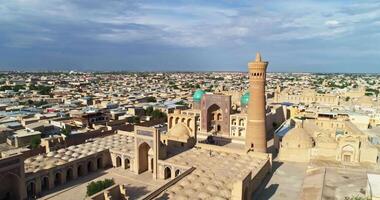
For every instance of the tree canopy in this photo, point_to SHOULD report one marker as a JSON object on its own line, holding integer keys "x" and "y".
{"x": 97, "y": 186}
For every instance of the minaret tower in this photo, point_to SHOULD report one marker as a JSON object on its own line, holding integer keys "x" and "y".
{"x": 256, "y": 131}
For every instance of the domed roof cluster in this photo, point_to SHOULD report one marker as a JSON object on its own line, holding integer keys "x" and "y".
{"x": 244, "y": 99}
{"x": 297, "y": 138}
{"x": 198, "y": 94}
{"x": 214, "y": 175}
{"x": 180, "y": 131}
{"x": 72, "y": 153}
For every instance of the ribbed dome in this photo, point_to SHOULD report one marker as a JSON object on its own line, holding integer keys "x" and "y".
{"x": 297, "y": 138}
{"x": 198, "y": 94}
{"x": 180, "y": 131}
{"x": 244, "y": 99}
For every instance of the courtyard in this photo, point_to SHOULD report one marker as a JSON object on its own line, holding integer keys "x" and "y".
{"x": 137, "y": 185}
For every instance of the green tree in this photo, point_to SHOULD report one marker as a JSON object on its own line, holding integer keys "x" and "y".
{"x": 149, "y": 111}
{"x": 35, "y": 142}
{"x": 66, "y": 131}
{"x": 42, "y": 89}
{"x": 40, "y": 103}
{"x": 97, "y": 186}
{"x": 182, "y": 103}
{"x": 157, "y": 114}
{"x": 133, "y": 120}
{"x": 17, "y": 88}
{"x": 5, "y": 87}
{"x": 151, "y": 99}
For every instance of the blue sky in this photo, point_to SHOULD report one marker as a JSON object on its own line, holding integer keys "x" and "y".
{"x": 295, "y": 36}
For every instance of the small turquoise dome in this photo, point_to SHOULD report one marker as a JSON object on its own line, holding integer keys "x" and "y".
{"x": 198, "y": 94}
{"x": 244, "y": 99}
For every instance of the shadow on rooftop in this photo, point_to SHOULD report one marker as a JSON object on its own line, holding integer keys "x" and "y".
{"x": 264, "y": 191}
{"x": 137, "y": 192}
{"x": 268, "y": 192}
{"x": 164, "y": 196}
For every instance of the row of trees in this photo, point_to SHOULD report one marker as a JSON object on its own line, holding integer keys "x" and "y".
{"x": 15, "y": 88}
{"x": 155, "y": 113}
{"x": 97, "y": 186}
{"x": 33, "y": 103}
{"x": 42, "y": 89}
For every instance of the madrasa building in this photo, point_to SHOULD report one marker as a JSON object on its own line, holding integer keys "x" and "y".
{"x": 329, "y": 137}
{"x": 205, "y": 152}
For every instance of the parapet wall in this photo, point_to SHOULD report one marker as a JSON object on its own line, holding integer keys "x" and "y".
{"x": 158, "y": 191}
{"x": 114, "y": 192}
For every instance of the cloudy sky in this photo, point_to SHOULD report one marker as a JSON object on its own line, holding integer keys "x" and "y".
{"x": 316, "y": 36}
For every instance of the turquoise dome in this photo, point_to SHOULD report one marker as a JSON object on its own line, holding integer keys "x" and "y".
{"x": 198, "y": 94}
{"x": 244, "y": 99}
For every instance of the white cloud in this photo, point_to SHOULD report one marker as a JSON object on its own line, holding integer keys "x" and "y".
{"x": 332, "y": 23}
{"x": 189, "y": 25}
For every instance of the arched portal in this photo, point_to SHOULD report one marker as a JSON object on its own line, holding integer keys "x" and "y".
{"x": 167, "y": 173}
{"x": 31, "y": 189}
{"x": 177, "y": 172}
{"x": 80, "y": 170}
{"x": 11, "y": 187}
{"x": 99, "y": 162}
{"x": 57, "y": 179}
{"x": 171, "y": 122}
{"x": 118, "y": 161}
{"x": 90, "y": 166}
{"x": 189, "y": 124}
{"x": 143, "y": 157}
{"x": 127, "y": 164}
{"x": 45, "y": 183}
{"x": 213, "y": 112}
{"x": 69, "y": 174}
{"x": 348, "y": 153}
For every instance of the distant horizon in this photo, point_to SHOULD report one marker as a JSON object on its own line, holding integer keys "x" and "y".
{"x": 156, "y": 35}
{"x": 172, "y": 71}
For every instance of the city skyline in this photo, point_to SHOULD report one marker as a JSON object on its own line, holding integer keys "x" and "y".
{"x": 337, "y": 36}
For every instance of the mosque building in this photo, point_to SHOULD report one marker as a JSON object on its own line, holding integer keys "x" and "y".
{"x": 208, "y": 151}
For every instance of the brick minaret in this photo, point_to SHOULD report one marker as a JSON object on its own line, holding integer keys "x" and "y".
{"x": 256, "y": 131}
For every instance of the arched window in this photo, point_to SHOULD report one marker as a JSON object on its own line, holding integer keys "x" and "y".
{"x": 189, "y": 124}
{"x": 31, "y": 189}
{"x": 219, "y": 116}
{"x": 118, "y": 161}
{"x": 241, "y": 122}
{"x": 167, "y": 173}
{"x": 177, "y": 172}
{"x": 127, "y": 164}
{"x": 45, "y": 183}
{"x": 57, "y": 179}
